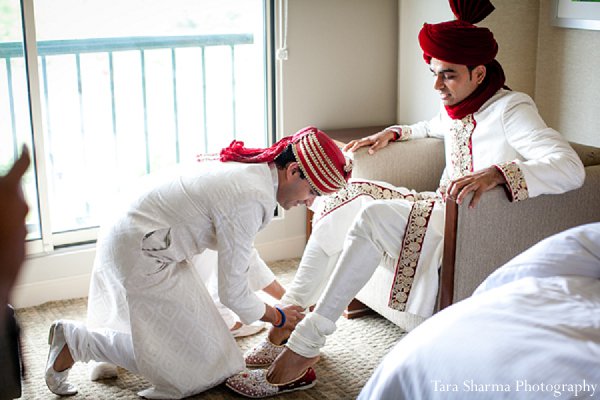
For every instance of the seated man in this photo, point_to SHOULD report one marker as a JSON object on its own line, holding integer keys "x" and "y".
{"x": 493, "y": 136}
{"x": 531, "y": 330}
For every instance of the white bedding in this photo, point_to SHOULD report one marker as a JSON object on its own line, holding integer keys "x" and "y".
{"x": 530, "y": 331}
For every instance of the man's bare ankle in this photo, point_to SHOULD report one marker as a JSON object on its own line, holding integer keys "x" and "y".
{"x": 64, "y": 360}
{"x": 278, "y": 336}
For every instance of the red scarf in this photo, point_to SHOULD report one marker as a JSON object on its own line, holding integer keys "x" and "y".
{"x": 237, "y": 152}
{"x": 494, "y": 81}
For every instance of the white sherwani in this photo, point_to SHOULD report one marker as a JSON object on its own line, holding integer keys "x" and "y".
{"x": 143, "y": 285}
{"x": 355, "y": 228}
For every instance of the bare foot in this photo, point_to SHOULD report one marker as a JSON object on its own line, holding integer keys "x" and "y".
{"x": 64, "y": 360}
{"x": 289, "y": 366}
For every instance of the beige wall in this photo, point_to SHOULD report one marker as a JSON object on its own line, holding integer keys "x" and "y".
{"x": 515, "y": 26}
{"x": 341, "y": 70}
{"x": 568, "y": 85}
{"x": 417, "y": 100}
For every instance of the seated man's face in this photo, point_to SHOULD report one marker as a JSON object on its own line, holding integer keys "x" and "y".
{"x": 454, "y": 82}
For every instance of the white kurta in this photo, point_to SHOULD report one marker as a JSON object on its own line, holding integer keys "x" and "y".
{"x": 506, "y": 132}
{"x": 143, "y": 284}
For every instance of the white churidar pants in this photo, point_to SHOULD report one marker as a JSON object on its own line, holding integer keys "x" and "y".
{"x": 105, "y": 345}
{"x": 348, "y": 245}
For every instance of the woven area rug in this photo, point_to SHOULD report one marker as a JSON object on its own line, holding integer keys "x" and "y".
{"x": 347, "y": 360}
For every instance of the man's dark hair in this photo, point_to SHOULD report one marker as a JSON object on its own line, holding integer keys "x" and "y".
{"x": 472, "y": 67}
{"x": 286, "y": 157}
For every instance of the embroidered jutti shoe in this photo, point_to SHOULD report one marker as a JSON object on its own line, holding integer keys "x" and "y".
{"x": 263, "y": 354}
{"x": 254, "y": 384}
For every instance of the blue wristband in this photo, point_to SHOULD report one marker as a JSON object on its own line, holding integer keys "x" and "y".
{"x": 282, "y": 323}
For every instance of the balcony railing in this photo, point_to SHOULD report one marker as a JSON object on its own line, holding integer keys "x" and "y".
{"x": 110, "y": 46}
{"x": 128, "y": 132}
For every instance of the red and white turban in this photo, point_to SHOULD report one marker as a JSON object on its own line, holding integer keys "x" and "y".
{"x": 459, "y": 41}
{"x": 319, "y": 158}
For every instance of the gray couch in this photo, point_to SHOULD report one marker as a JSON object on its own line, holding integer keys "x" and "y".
{"x": 477, "y": 241}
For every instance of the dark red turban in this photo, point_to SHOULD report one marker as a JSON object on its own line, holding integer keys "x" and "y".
{"x": 459, "y": 41}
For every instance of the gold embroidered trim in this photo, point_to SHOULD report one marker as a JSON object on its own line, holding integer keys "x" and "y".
{"x": 326, "y": 166}
{"x": 515, "y": 180}
{"x": 461, "y": 148}
{"x": 363, "y": 188}
{"x": 404, "y": 132}
{"x": 208, "y": 157}
{"x": 311, "y": 167}
{"x": 443, "y": 186}
{"x": 412, "y": 244}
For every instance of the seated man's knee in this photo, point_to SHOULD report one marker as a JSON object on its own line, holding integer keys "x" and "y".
{"x": 371, "y": 214}
{"x": 375, "y": 211}
{"x": 382, "y": 218}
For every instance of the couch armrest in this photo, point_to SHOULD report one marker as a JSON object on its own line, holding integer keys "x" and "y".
{"x": 497, "y": 230}
{"x": 416, "y": 164}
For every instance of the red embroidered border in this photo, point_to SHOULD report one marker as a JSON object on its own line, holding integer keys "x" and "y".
{"x": 358, "y": 187}
{"x": 408, "y": 260}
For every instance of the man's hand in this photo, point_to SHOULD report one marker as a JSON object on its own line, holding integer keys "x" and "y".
{"x": 377, "y": 141}
{"x": 478, "y": 182}
{"x": 13, "y": 210}
{"x": 293, "y": 315}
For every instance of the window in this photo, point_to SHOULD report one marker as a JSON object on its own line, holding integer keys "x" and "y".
{"x": 119, "y": 89}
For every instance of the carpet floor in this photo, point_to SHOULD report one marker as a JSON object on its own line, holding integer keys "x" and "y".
{"x": 347, "y": 360}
